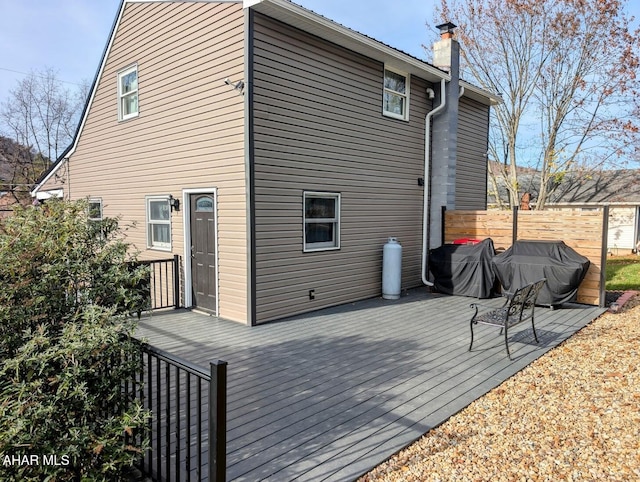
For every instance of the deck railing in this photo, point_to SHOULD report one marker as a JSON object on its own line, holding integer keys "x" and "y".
{"x": 163, "y": 284}
{"x": 188, "y": 424}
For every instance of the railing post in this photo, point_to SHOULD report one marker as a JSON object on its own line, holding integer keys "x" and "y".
{"x": 218, "y": 421}
{"x": 176, "y": 281}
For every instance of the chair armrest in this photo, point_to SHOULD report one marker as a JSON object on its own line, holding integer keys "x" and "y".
{"x": 488, "y": 307}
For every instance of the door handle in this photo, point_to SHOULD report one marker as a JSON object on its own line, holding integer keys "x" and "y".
{"x": 192, "y": 255}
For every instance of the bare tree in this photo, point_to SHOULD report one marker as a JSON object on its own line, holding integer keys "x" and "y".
{"x": 37, "y": 121}
{"x": 566, "y": 70}
{"x": 19, "y": 167}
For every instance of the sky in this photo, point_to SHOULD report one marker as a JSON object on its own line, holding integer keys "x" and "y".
{"x": 69, "y": 36}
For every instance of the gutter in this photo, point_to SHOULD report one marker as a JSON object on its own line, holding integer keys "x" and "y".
{"x": 427, "y": 172}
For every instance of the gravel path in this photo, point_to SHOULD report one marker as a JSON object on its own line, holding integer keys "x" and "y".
{"x": 572, "y": 415}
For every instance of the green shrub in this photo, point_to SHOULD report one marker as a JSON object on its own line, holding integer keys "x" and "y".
{"x": 66, "y": 294}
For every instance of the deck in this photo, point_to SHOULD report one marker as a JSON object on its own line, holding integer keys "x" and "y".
{"x": 329, "y": 395}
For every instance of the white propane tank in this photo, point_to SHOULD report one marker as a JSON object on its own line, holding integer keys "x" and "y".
{"x": 391, "y": 269}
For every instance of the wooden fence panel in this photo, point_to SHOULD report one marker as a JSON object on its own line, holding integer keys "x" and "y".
{"x": 580, "y": 230}
{"x": 496, "y": 225}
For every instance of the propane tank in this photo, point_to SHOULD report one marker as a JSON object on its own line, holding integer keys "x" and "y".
{"x": 391, "y": 269}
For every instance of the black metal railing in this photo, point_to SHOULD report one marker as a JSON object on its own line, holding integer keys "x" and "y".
{"x": 163, "y": 284}
{"x": 188, "y": 423}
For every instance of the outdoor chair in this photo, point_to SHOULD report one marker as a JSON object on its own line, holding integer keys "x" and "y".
{"x": 518, "y": 307}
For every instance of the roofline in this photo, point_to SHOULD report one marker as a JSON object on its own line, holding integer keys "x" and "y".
{"x": 309, "y": 21}
{"x": 298, "y": 16}
{"x": 477, "y": 93}
{"x": 83, "y": 118}
{"x": 105, "y": 53}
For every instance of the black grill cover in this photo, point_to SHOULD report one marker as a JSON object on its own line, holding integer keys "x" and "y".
{"x": 529, "y": 261}
{"x": 463, "y": 269}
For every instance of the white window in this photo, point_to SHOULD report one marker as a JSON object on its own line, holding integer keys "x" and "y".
{"x": 158, "y": 223}
{"x": 396, "y": 95}
{"x": 321, "y": 218}
{"x": 94, "y": 209}
{"x": 128, "y": 93}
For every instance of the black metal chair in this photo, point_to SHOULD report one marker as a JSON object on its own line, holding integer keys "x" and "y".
{"x": 519, "y": 307}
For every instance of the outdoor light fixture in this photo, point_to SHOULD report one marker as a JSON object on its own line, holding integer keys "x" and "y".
{"x": 174, "y": 203}
{"x": 239, "y": 86}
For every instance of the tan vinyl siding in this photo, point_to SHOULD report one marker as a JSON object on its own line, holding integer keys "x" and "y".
{"x": 189, "y": 133}
{"x": 319, "y": 126}
{"x": 471, "y": 164}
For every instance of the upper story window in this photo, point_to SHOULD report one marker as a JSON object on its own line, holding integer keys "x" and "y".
{"x": 321, "y": 219}
{"x": 396, "y": 95}
{"x": 158, "y": 223}
{"x": 128, "y": 93}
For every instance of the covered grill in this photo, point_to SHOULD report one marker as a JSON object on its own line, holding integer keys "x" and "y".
{"x": 529, "y": 261}
{"x": 463, "y": 269}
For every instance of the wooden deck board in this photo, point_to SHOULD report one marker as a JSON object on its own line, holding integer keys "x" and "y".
{"x": 331, "y": 394}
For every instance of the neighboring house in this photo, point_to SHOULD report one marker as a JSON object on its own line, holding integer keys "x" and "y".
{"x": 590, "y": 190}
{"x": 274, "y": 150}
{"x": 620, "y": 190}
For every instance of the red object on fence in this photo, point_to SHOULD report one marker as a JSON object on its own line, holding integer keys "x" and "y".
{"x": 466, "y": 241}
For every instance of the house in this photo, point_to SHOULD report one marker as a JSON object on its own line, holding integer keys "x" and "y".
{"x": 274, "y": 150}
{"x": 620, "y": 190}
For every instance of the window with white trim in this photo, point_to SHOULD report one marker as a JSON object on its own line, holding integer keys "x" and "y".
{"x": 158, "y": 223}
{"x": 321, "y": 217}
{"x": 396, "y": 95}
{"x": 94, "y": 209}
{"x": 128, "y": 93}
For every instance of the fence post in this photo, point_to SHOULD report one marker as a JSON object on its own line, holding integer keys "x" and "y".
{"x": 218, "y": 421}
{"x": 603, "y": 256}
{"x": 443, "y": 225}
{"x": 514, "y": 227}
{"x": 176, "y": 281}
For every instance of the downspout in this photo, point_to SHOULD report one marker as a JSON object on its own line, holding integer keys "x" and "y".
{"x": 427, "y": 173}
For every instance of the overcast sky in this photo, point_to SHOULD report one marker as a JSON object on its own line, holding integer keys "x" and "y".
{"x": 70, "y": 35}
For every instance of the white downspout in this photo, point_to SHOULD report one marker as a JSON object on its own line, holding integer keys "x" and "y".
{"x": 427, "y": 173}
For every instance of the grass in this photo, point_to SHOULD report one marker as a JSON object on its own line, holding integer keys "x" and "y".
{"x": 623, "y": 273}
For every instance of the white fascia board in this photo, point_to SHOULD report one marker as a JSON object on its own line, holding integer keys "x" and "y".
{"x": 477, "y": 93}
{"x": 53, "y": 193}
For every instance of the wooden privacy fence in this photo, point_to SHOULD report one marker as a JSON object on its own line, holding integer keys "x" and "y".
{"x": 584, "y": 231}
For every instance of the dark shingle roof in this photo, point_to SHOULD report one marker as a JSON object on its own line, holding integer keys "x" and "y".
{"x": 582, "y": 187}
{"x": 600, "y": 187}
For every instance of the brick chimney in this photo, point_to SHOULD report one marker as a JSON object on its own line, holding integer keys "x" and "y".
{"x": 444, "y": 146}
